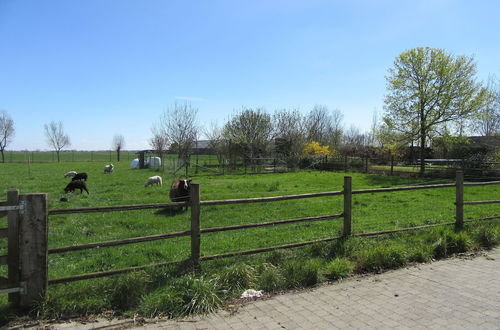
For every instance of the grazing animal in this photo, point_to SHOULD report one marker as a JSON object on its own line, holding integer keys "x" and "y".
{"x": 70, "y": 174}
{"x": 80, "y": 176}
{"x": 179, "y": 190}
{"x": 76, "y": 185}
{"x": 154, "y": 180}
{"x": 108, "y": 168}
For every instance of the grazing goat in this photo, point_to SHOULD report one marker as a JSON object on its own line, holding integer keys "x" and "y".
{"x": 76, "y": 185}
{"x": 108, "y": 168}
{"x": 70, "y": 174}
{"x": 154, "y": 180}
{"x": 179, "y": 190}
{"x": 80, "y": 176}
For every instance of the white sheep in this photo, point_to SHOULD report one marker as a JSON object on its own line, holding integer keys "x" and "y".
{"x": 154, "y": 180}
{"x": 70, "y": 174}
{"x": 108, "y": 168}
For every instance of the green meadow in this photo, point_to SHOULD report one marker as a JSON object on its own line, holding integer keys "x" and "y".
{"x": 371, "y": 212}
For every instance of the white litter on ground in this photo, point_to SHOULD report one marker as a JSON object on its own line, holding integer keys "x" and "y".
{"x": 251, "y": 293}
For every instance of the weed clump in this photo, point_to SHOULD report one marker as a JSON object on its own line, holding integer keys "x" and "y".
{"x": 339, "y": 268}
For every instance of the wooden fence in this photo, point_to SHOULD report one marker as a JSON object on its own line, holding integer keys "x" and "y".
{"x": 28, "y": 217}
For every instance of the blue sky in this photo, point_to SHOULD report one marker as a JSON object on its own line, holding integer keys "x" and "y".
{"x": 106, "y": 67}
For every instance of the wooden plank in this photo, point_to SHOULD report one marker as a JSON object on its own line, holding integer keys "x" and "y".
{"x": 13, "y": 256}
{"x": 347, "y": 227}
{"x": 268, "y": 249}
{"x": 117, "y": 242}
{"x": 111, "y": 272}
{"x": 195, "y": 223}
{"x": 116, "y": 208}
{"x": 33, "y": 232}
{"x": 459, "y": 200}
{"x": 269, "y": 199}
{"x": 380, "y": 190}
{"x": 3, "y": 260}
{"x": 470, "y": 184}
{"x": 273, "y": 223}
{"x": 4, "y": 232}
{"x": 480, "y": 202}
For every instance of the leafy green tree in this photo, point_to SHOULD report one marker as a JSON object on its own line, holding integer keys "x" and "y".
{"x": 248, "y": 134}
{"x": 428, "y": 88}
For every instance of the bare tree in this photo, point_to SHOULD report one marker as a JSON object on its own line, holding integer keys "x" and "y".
{"x": 118, "y": 144}
{"x": 324, "y": 126}
{"x": 178, "y": 124}
{"x": 56, "y": 137}
{"x": 158, "y": 142}
{"x": 288, "y": 134}
{"x": 487, "y": 122}
{"x": 6, "y": 131}
{"x": 216, "y": 140}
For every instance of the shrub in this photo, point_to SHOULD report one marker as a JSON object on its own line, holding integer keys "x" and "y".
{"x": 270, "y": 278}
{"x": 339, "y": 268}
{"x": 300, "y": 273}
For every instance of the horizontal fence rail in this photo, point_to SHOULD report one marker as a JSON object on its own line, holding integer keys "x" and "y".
{"x": 117, "y": 208}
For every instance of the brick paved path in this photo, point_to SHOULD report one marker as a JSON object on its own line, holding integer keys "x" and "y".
{"x": 457, "y": 293}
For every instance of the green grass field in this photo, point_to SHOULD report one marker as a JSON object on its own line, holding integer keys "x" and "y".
{"x": 371, "y": 212}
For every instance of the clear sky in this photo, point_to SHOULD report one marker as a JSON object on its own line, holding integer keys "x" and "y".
{"x": 106, "y": 67}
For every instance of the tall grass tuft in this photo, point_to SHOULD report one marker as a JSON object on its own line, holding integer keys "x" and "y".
{"x": 270, "y": 278}
{"x": 237, "y": 277}
{"x": 487, "y": 236}
{"x": 199, "y": 295}
{"x": 446, "y": 241}
{"x": 300, "y": 273}
{"x": 338, "y": 268}
{"x": 381, "y": 257}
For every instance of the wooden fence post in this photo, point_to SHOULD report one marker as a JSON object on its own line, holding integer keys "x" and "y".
{"x": 347, "y": 206}
{"x": 33, "y": 247}
{"x": 459, "y": 200}
{"x": 195, "y": 223}
{"x": 13, "y": 245}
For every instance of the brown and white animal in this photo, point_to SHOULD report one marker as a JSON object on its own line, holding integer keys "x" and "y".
{"x": 80, "y": 176}
{"x": 108, "y": 168}
{"x": 179, "y": 190}
{"x": 70, "y": 174}
{"x": 76, "y": 185}
{"x": 154, "y": 180}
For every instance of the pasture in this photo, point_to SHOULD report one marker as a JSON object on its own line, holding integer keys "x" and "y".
{"x": 371, "y": 212}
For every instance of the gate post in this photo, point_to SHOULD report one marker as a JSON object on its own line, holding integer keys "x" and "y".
{"x": 33, "y": 247}
{"x": 195, "y": 223}
{"x": 13, "y": 245}
{"x": 459, "y": 200}
{"x": 346, "y": 231}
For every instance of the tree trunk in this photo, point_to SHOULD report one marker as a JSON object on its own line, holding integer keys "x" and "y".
{"x": 422, "y": 150}
{"x": 3, "y": 157}
{"x": 58, "y": 160}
